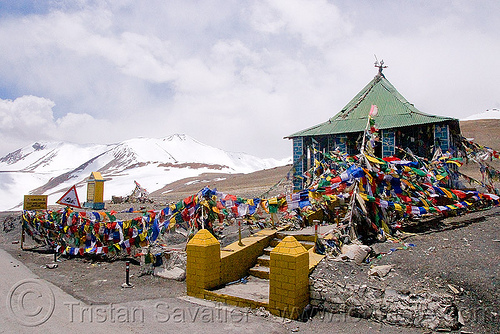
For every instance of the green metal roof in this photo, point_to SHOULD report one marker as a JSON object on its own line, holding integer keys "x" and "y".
{"x": 394, "y": 111}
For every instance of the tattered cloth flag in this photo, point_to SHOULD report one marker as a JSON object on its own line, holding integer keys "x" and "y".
{"x": 373, "y": 110}
{"x": 70, "y": 198}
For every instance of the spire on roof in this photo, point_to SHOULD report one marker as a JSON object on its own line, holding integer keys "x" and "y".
{"x": 380, "y": 66}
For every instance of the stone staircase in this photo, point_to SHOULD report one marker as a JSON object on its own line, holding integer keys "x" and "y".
{"x": 261, "y": 268}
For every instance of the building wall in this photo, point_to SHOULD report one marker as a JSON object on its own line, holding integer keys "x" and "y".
{"x": 388, "y": 142}
{"x": 420, "y": 139}
{"x": 298, "y": 162}
{"x": 442, "y": 137}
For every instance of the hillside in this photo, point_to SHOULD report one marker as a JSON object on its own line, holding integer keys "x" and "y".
{"x": 245, "y": 185}
{"x": 484, "y": 131}
{"x": 51, "y": 168}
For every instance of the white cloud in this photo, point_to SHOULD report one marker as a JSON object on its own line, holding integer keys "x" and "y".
{"x": 30, "y": 118}
{"x": 27, "y": 116}
{"x": 317, "y": 22}
{"x": 236, "y": 75}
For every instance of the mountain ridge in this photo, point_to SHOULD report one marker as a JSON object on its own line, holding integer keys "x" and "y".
{"x": 53, "y": 167}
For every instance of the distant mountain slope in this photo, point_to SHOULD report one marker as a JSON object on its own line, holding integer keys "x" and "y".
{"x": 484, "y": 131}
{"x": 245, "y": 185}
{"x": 52, "y": 168}
{"x": 493, "y": 113}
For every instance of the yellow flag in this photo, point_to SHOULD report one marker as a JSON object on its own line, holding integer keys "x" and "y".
{"x": 386, "y": 228}
{"x": 408, "y": 183}
{"x": 171, "y": 223}
{"x": 454, "y": 162}
{"x": 374, "y": 160}
{"x": 448, "y": 194}
{"x": 369, "y": 178}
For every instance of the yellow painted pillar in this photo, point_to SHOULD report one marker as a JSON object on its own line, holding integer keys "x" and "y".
{"x": 288, "y": 279}
{"x": 203, "y": 263}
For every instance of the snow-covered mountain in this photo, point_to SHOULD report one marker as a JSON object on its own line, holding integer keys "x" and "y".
{"x": 51, "y": 168}
{"x": 493, "y": 113}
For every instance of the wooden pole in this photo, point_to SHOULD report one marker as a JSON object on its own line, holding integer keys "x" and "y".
{"x": 22, "y": 237}
{"x": 239, "y": 234}
{"x": 202, "y": 217}
{"x": 352, "y": 204}
{"x": 364, "y": 135}
{"x": 316, "y": 222}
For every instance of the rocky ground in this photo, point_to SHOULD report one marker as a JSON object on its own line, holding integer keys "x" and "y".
{"x": 457, "y": 256}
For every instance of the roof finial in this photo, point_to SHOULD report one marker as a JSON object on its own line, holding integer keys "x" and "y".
{"x": 380, "y": 65}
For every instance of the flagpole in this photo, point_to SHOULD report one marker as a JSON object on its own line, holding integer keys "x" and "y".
{"x": 373, "y": 112}
{"x": 364, "y": 135}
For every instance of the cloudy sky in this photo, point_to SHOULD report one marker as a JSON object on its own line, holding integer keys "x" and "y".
{"x": 238, "y": 75}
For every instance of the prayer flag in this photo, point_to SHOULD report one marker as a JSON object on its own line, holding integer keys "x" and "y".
{"x": 373, "y": 110}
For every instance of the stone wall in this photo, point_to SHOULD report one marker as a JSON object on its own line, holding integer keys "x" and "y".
{"x": 237, "y": 259}
{"x": 203, "y": 263}
{"x": 423, "y": 309}
{"x": 288, "y": 279}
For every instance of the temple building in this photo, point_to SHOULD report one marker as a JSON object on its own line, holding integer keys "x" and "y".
{"x": 400, "y": 125}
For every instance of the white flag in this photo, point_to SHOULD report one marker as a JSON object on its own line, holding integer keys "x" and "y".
{"x": 373, "y": 110}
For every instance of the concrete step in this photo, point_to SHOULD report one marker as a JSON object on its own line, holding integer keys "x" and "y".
{"x": 260, "y": 271}
{"x": 263, "y": 260}
{"x": 275, "y": 242}
{"x": 267, "y": 250}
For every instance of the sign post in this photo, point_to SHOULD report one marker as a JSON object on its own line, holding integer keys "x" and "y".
{"x": 316, "y": 225}
{"x": 70, "y": 198}
{"x": 35, "y": 202}
{"x": 127, "y": 283}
